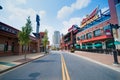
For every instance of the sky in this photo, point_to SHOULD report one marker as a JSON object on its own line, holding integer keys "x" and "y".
{"x": 54, "y": 15}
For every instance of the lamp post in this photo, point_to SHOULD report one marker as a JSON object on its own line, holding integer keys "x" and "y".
{"x": 114, "y": 47}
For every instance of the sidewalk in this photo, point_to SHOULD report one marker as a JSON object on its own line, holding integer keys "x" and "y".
{"x": 104, "y": 59}
{"x": 9, "y": 62}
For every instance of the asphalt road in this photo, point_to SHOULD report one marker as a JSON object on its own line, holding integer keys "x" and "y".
{"x": 61, "y": 66}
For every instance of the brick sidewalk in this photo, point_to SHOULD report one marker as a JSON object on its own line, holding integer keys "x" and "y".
{"x": 9, "y": 62}
{"x": 102, "y": 58}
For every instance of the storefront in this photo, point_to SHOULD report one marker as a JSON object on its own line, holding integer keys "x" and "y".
{"x": 9, "y": 44}
{"x": 70, "y": 38}
{"x": 97, "y": 33}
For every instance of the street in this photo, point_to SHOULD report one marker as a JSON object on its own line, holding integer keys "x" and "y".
{"x": 60, "y": 65}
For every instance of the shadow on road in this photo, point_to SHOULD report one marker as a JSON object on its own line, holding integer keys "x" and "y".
{"x": 34, "y": 75}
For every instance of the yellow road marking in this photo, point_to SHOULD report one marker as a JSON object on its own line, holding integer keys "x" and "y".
{"x": 65, "y": 74}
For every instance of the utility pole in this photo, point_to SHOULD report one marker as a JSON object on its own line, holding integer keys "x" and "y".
{"x": 114, "y": 47}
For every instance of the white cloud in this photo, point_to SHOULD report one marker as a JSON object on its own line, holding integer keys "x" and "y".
{"x": 21, "y": 1}
{"x": 50, "y": 31}
{"x": 66, "y": 11}
{"x": 17, "y": 2}
{"x": 42, "y": 14}
{"x": 68, "y": 24}
{"x": 18, "y": 15}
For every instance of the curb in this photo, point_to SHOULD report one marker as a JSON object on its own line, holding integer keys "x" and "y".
{"x": 97, "y": 62}
{"x": 20, "y": 64}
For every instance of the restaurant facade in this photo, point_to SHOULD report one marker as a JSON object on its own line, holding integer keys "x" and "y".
{"x": 97, "y": 30}
{"x": 68, "y": 40}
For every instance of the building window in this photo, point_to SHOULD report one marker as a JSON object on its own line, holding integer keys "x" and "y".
{"x": 12, "y": 46}
{"x": 97, "y": 32}
{"x": 98, "y": 45}
{"x": 1, "y": 47}
{"x": 117, "y": 1}
{"x": 78, "y": 38}
{"x": 106, "y": 28}
{"x": 6, "y": 47}
{"x": 83, "y": 46}
{"x": 89, "y": 45}
{"x": 89, "y": 35}
{"x": 82, "y": 37}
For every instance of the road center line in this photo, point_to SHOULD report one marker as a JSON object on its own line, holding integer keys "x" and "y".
{"x": 65, "y": 74}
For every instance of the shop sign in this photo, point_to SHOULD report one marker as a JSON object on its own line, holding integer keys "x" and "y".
{"x": 92, "y": 17}
{"x": 108, "y": 32}
{"x": 73, "y": 28}
{"x": 7, "y": 29}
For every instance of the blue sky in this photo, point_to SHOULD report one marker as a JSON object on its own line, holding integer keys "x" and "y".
{"x": 55, "y": 14}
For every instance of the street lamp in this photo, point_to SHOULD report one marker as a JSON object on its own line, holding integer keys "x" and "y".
{"x": 1, "y": 7}
{"x": 114, "y": 47}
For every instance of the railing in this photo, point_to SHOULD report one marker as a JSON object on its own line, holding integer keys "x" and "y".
{"x": 102, "y": 51}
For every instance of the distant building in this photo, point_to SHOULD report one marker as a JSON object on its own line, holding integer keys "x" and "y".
{"x": 68, "y": 40}
{"x": 41, "y": 46}
{"x": 56, "y": 39}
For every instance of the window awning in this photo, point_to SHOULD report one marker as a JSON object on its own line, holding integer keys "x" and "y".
{"x": 115, "y": 42}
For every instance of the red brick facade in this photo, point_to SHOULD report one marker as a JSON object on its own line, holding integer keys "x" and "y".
{"x": 9, "y": 44}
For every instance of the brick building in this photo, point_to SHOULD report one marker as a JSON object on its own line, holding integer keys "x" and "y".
{"x": 68, "y": 40}
{"x": 95, "y": 30}
{"x": 97, "y": 33}
{"x": 9, "y": 44}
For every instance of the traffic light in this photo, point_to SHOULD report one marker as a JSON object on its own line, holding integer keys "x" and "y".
{"x": 116, "y": 26}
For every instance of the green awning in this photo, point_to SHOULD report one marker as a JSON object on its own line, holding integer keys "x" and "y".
{"x": 89, "y": 45}
{"x": 115, "y": 42}
{"x": 97, "y": 45}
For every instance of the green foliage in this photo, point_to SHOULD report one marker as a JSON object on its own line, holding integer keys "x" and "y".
{"x": 45, "y": 38}
{"x": 23, "y": 35}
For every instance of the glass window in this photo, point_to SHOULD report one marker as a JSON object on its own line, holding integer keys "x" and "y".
{"x": 82, "y": 37}
{"x": 89, "y": 35}
{"x": 78, "y": 38}
{"x": 89, "y": 46}
{"x": 97, "y": 32}
{"x": 98, "y": 45}
{"x": 1, "y": 47}
{"x": 6, "y": 46}
{"x": 106, "y": 28}
{"x": 83, "y": 46}
{"x": 117, "y": 1}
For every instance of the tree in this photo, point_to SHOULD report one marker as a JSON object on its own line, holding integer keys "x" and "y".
{"x": 45, "y": 39}
{"x": 23, "y": 35}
